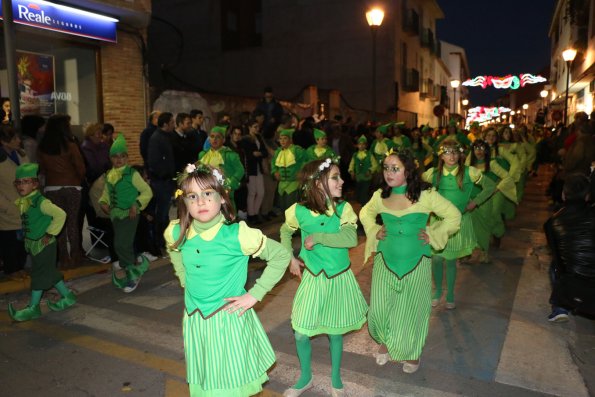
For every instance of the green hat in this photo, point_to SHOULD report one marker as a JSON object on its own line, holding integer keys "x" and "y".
{"x": 426, "y": 128}
{"x": 475, "y": 124}
{"x": 399, "y": 124}
{"x": 362, "y": 139}
{"x": 287, "y": 132}
{"x": 384, "y": 128}
{"x": 452, "y": 123}
{"x": 27, "y": 170}
{"x": 319, "y": 134}
{"x": 219, "y": 129}
{"x": 119, "y": 145}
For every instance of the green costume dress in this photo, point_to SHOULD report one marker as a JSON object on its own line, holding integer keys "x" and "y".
{"x": 486, "y": 218}
{"x": 363, "y": 165}
{"x": 226, "y": 354}
{"x": 40, "y": 217}
{"x": 328, "y": 300}
{"x": 401, "y": 278}
{"x": 317, "y": 153}
{"x": 401, "y": 142}
{"x": 464, "y": 241}
{"x": 124, "y": 188}
{"x": 288, "y": 162}
{"x": 227, "y": 161}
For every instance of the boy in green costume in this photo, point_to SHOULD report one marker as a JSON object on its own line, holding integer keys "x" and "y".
{"x": 42, "y": 221}
{"x": 285, "y": 165}
{"x": 362, "y": 166}
{"x": 400, "y": 141}
{"x": 124, "y": 196}
{"x": 320, "y": 151}
{"x": 222, "y": 157}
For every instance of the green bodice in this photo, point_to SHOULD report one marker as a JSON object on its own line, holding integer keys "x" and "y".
{"x": 35, "y": 222}
{"x": 362, "y": 166}
{"x": 401, "y": 248}
{"x": 123, "y": 194}
{"x": 451, "y": 191}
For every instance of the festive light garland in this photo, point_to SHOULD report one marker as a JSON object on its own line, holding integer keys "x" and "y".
{"x": 509, "y": 81}
{"x": 482, "y": 113}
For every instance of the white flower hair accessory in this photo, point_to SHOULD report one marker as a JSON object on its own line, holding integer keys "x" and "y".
{"x": 218, "y": 176}
{"x": 190, "y": 168}
{"x": 323, "y": 166}
{"x": 202, "y": 168}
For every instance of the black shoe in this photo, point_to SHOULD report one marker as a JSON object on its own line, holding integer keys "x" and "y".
{"x": 253, "y": 220}
{"x": 265, "y": 218}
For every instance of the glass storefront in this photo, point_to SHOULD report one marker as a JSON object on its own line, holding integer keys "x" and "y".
{"x": 54, "y": 76}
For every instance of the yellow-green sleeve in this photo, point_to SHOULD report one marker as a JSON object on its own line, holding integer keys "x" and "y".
{"x": 488, "y": 186}
{"x": 277, "y": 259}
{"x": 175, "y": 255}
{"x": 515, "y": 166}
{"x": 429, "y": 154}
{"x": 346, "y": 237}
{"x": 58, "y": 216}
{"x": 375, "y": 166}
{"x": 428, "y": 175}
{"x": 351, "y": 168}
{"x": 367, "y": 217}
{"x": 104, "y": 198}
{"x": 288, "y": 228}
{"x": 506, "y": 184}
{"x": 144, "y": 190}
{"x": 450, "y": 218}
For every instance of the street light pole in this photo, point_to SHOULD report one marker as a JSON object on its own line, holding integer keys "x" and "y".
{"x": 568, "y": 56}
{"x": 374, "y": 18}
{"x": 455, "y": 84}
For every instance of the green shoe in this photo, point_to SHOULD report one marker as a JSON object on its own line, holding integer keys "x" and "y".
{"x": 136, "y": 271}
{"x": 119, "y": 282}
{"x": 28, "y": 313}
{"x": 66, "y": 301}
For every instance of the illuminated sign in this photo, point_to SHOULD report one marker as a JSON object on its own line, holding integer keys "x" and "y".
{"x": 59, "y": 18}
{"x": 510, "y": 81}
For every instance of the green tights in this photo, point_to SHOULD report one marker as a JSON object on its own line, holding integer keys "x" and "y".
{"x": 451, "y": 277}
{"x": 37, "y": 293}
{"x": 304, "y": 352}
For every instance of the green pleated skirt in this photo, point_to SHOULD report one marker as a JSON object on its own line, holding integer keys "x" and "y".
{"x": 507, "y": 207}
{"x": 226, "y": 355}
{"x": 483, "y": 223}
{"x": 332, "y": 306}
{"x": 462, "y": 243}
{"x": 399, "y": 313}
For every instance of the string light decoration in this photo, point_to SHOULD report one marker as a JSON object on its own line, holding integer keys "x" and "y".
{"x": 506, "y": 82}
{"x": 481, "y": 114}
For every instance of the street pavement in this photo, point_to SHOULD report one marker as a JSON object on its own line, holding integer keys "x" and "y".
{"x": 497, "y": 342}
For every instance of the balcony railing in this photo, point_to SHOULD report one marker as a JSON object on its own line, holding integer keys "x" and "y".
{"x": 410, "y": 80}
{"x": 411, "y": 22}
{"x": 426, "y": 39}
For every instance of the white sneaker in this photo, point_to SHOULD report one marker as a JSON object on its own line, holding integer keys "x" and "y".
{"x": 116, "y": 265}
{"x": 150, "y": 257}
{"x": 382, "y": 358}
{"x": 242, "y": 215}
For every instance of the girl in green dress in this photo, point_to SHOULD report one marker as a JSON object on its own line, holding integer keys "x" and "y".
{"x": 400, "y": 298}
{"x": 456, "y": 182}
{"x": 328, "y": 300}
{"x": 227, "y": 350}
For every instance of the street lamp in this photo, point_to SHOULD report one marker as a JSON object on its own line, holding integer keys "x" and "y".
{"x": 568, "y": 56}
{"x": 374, "y": 18}
{"x": 543, "y": 94}
{"x": 465, "y": 102}
{"x": 455, "y": 84}
{"x": 525, "y": 107}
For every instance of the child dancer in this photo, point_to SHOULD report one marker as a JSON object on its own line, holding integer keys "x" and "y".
{"x": 455, "y": 182}
{"x": 320, "y": 151}
{"x": 42, "y": 221}
{"x": 227, "y": 350}
{"x": 401, "y": 278}
{"x": 328, "y": 300}
{"x": 362, "y": 166}
{"x": 287, "y": 161}
{"x": 400, "y": 141}
{"x": 124, "y": 196}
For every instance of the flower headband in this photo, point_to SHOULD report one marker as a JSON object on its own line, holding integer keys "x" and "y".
{"x": 450, "y": 149}
{"x": 203, "y": 169}
{"x": 325, "y": 164}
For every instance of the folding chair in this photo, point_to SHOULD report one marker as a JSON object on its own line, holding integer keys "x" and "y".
{"x": 97, "y": 234}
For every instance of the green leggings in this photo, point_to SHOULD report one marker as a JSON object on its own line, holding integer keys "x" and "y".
{"x": 304, "y": 352}
{"x": 451, "y": 277}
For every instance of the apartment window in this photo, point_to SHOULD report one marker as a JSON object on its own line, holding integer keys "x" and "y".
{"x": 241, "y": 24}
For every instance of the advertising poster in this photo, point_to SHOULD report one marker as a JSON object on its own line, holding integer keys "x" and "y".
{"x": 35, "y": 73}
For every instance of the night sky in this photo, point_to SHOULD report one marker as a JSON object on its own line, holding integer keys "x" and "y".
{"x": 499, "y": 37}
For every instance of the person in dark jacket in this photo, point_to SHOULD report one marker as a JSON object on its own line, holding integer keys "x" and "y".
{"x": 162, "y": 170}
{"x": 256, "y": 151}
{"x": 570, "y": 234}
{"x": 271, "y": 109}
{"x": 145, "y": 136}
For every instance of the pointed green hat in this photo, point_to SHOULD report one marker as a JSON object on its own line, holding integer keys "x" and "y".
{"x": 399, "y": 124}
{"x": 384, "y": 128}
{"x": 27, "y": 170}
{"x": 319, "y": 133}
{"x": 362, "y": 139}
{"x": 426, "y": 128}
{"x": 219, "y": 129}
{"x": 287, "y": 132}
{"x": 119, "y": 145}
{"x": 452, "y": 123}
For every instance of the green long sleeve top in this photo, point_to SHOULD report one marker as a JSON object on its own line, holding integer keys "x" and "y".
{"x": 504, "y": 182}
{"x": 125, "y": 187}
{"x": 288, "y": 162}
{"x": 315, "y": 152}
{"x": 332, "y": 233}
{"x": 401, "y": 247}
{"x": 40, "y": 217}
{"x": 212, "y": 262}
{"x": 228, "y": 161}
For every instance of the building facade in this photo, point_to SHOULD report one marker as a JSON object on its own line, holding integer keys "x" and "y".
{"x": 83, "y": 58}
{"x": 237, "y": 48}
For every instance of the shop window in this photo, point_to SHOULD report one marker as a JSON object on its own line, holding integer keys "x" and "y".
{"x": 54, "y": 77}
